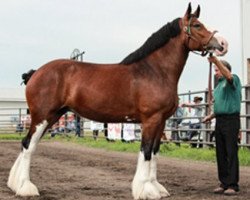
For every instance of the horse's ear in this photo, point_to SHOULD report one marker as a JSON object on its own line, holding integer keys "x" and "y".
{"x": 189, "y": 10}
{"x": 197, "y": 12}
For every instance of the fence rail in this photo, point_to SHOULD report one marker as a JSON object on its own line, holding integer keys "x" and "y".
{"x": 18, "y": 120}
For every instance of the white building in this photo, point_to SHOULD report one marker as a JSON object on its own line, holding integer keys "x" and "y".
{"x": 12, "y": 98}
{"x": 13, "y": 108}
{"x": 245, "y": 15}
{"x": 245, "y": 20}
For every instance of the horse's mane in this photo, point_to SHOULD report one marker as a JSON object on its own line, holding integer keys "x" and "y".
{"x": 155, "y": 41}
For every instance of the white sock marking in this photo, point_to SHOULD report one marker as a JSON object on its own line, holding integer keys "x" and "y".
{"x": 142, "y": 188}
{"x": 153, "y": 177}
{"x": 19, "y": 178}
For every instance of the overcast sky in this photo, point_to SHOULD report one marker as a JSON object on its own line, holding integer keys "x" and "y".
{"x": 34, "y": 32}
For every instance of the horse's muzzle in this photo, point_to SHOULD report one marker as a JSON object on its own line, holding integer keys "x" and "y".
{"x": 214, "y": 45}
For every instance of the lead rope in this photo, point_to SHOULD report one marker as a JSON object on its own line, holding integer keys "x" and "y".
{"x": 210, "y": 96}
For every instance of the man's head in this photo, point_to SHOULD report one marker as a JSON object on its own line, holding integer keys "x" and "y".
{"x": 217, "y": 72}
{"x": 197, "y": 99}
{"x": 227, "y": 65}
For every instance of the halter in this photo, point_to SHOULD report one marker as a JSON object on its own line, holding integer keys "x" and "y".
{"x": 187, "y": 30}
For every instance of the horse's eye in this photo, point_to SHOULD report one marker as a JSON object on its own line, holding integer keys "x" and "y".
{"x": 196, "y": 25}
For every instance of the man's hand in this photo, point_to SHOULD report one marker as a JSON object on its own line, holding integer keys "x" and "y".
{"x": 212, "y": 59}
{"x": 208, "y": 118}
{"x": 183, "y": 105}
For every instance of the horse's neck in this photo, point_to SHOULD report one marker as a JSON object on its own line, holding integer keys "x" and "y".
{"x": 171, "y": 59}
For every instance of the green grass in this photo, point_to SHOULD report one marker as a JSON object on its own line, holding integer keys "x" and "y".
{"x": 9, "y": 136}
{"x": 167, "y": 149}
{"x": 186, "y": 152}
{"x": 15, "y": 136}
{"x": 101, "y": 143}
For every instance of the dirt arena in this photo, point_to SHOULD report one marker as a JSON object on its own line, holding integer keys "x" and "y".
{"x": 69, "y": 172}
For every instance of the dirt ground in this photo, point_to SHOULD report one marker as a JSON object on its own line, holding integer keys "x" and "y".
{"x": 70, "y": 172}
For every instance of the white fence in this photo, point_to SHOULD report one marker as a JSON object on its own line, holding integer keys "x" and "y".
{"x": 18, "y": 120}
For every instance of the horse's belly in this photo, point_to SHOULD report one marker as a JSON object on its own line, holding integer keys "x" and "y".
{"x": 111, "y": 115}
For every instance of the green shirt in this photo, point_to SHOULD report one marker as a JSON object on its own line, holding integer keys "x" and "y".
{"x": 227, "y": 96}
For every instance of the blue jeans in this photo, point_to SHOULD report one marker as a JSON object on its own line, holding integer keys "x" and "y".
{"x": 191, "y": 134}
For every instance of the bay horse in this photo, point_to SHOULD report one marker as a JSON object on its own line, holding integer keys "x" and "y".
{"x": 142, "y": 88}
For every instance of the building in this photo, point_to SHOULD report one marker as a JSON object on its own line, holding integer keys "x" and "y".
{"x": 13, "y": 109}
{"x": 245, "y": 21}
{"x": 245, "y": 15}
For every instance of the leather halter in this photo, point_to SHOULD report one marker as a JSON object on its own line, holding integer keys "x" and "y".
{"x": 187, "y": 30}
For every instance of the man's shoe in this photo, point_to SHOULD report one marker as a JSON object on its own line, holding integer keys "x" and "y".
{"x": 230, "y": 192}
{"x": 219, "y": 190}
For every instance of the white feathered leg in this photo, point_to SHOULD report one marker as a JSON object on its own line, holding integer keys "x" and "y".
{"x": 142, "y": 187}
{"x": 153, "y": 177}
{"x": 12, "y": 181}
{"x": 19, "y": 177}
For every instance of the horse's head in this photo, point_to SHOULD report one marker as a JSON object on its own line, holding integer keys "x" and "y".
{"x": 197, "y": 36}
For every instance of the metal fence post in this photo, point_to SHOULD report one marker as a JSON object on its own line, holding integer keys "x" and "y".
{"x": 78, "y": 55}
{"x": 246, "y": 139}
{"x": 206, "y": 134}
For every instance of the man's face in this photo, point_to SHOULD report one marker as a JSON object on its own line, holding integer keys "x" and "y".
{"x": 197, "y": 102}
{"x": 217, "y": 72}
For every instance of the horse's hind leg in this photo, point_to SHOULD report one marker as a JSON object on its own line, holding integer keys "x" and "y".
{"x": 19, "y": 178}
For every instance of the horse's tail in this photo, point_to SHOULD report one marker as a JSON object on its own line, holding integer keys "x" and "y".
{"x": 26, "y": 76}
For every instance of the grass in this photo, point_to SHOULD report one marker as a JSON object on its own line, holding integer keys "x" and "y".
{"x": 167, "y": 149}
{"x": 186, "y": 152}
{"x": 15, "y": 136}
{"x": 102, "y": 143}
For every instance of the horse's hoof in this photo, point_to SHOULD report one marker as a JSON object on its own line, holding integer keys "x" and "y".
{"x": 10, "y": 185}
{"x": 151, "y": 192}
{"x": 161, "y": 189}
{"x": 146, "y": 191}
{"x": 27, "y": 189}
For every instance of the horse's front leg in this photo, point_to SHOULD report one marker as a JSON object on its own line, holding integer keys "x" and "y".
{"x": 153, "y": 165}
{"x": 145, "y": 184}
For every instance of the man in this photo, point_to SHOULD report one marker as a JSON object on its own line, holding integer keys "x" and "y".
{"x": 194, "y": 123}
{"x": 175, "y": 123}
{"x": 227, "y": 100}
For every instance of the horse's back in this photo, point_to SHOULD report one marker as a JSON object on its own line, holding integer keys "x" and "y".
{"x": 81, "y": 87}
{"x": 58, "y": 71}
